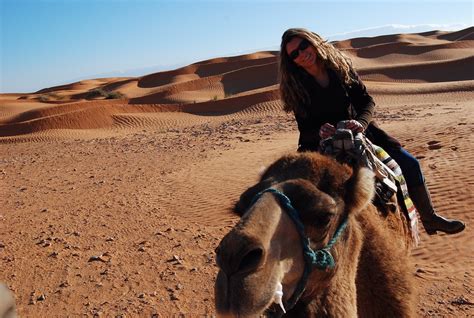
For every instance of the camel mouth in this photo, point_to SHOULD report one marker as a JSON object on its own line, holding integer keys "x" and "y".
{"x": 243, "y": 295}
{"x": 273, "y": 310}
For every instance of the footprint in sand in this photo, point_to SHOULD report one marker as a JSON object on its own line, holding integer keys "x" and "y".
{"x": 434, "y": 144}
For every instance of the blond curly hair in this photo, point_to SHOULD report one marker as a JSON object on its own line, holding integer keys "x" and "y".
{"x": 292, "y": 90}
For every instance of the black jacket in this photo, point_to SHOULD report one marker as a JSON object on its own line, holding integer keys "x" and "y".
{"x": 334, "y": 103}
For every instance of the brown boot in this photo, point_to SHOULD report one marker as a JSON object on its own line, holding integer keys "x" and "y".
{"x": 432, "y": 222}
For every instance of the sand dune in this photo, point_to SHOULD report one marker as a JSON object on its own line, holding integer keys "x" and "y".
{"x": 205, "y": 69}
{"x": 437, "y": 71}
{"x": 142, "y": 172}
{"x": 408, "y": 49}
{"x": 465, "y": 34}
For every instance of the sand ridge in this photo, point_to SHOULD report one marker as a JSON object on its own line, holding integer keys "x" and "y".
{"x": 115, "y": 206}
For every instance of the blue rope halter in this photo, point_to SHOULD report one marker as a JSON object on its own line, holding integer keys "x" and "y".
{"x": 320, "y": 259}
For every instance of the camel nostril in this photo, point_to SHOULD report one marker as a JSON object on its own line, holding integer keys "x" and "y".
{"x": 251, "y": 260}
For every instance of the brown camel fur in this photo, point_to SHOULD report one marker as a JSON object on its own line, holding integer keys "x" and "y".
{"x": 371, "y": 277}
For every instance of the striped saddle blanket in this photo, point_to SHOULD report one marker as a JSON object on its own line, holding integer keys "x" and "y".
{"x": 407, "y": 205}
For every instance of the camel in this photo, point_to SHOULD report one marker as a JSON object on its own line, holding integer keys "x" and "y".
{"x": 263, "y": 263}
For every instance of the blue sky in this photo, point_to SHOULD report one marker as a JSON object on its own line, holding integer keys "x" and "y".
{"x": 52, "y": 42}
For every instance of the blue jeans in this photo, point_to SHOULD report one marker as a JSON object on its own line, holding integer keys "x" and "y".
{"x": 410, "y": 166}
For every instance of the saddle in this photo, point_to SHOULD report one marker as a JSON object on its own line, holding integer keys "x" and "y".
{"x": 356, "y": 150}
{"x": 389, "y": 181}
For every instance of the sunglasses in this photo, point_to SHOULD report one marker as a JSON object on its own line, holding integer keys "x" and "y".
{"x": 296, "y": 52}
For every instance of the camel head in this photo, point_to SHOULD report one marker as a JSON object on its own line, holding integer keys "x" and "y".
{"x": 263, "y": 255}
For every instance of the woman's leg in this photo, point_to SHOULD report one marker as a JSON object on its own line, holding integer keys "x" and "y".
{"x": 410, "y": 166}
{"x": 419, "y": 193}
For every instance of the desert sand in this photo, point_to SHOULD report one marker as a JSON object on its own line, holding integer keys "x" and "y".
{"x": 113, "y": 207}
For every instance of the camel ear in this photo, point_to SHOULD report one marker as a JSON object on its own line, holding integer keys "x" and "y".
{"x": 246, "y": 198}
{"x": 360, "y": 189}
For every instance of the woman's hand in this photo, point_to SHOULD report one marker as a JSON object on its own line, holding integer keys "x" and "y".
{"x": 326, "y": 131}
{"x": 355, "y": 126}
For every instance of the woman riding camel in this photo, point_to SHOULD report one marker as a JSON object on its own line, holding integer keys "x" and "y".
{"x": 320, "y": 86}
